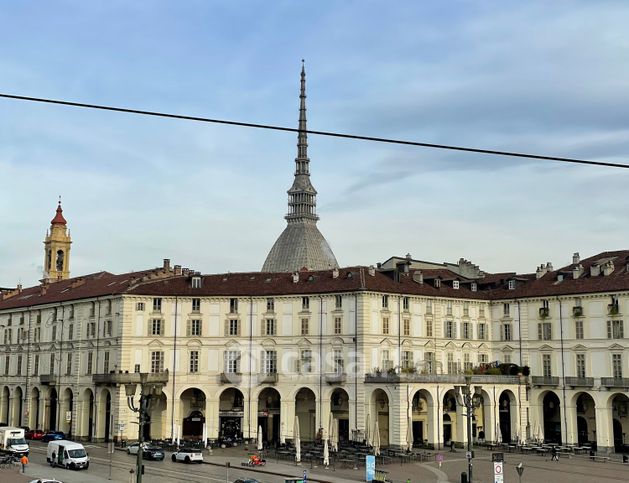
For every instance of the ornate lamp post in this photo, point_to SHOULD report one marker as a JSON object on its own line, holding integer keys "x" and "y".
{"x": 149, "y": 391}
{"x": 469, "y": 400}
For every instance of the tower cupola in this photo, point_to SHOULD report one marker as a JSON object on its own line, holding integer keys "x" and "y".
{"x": 57, "y": 248}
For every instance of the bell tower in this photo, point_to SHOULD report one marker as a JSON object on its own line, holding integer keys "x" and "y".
{"x": 57, "y": 248}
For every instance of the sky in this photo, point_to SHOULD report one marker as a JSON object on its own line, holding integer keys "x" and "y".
{"x": 542, "y": 77}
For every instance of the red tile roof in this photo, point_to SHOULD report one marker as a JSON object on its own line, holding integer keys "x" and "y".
{"x": 59, "y": 219}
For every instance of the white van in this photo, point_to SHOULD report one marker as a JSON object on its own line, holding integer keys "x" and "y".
{"x": 12, "y": 441}
{"x": 67, "y": 454}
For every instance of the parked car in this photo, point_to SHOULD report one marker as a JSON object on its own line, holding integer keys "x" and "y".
{"x": 188, "y": 455}
{"x": 53, "y": 436}
{"x": 45, "y": 480}
{"x": 153, "y": 452}
{"x": 34, "y": 434}
{"x": 133, "y": 447}
{"x": 247, "y": 480}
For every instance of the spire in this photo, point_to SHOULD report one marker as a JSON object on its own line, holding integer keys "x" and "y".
{"x": 302, "y": 195}
{"x": 59, "y": 219}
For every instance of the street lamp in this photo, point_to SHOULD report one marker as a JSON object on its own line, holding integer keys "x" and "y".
{"x": 469, "y": 400}
{"x": 149, "y": 391}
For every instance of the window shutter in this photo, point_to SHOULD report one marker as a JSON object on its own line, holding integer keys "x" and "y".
{"x": 238, "y": 324}
{"x": 609, "y": 329}
{"x": 621, "y": 329}
{"x": 539, "y": 331}
{"x": 226, "y": 329}
{"x": 263, "y": 327}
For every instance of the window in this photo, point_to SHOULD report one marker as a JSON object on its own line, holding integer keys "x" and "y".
{"x": 613, "y": 307}
{"x": 7, "y": 362}
{"x": 269, "y": 328}
{"x": 511, "y": 285}
{"x": 452, "y": 366}
{"x": 136, "y": 368}
{"x": 54, "y": 314}
{"x": 7, "y": 336}
{"x": 270, "y": 362}
{"x": 615, "y": 329}
{"x": 108, "y": 307}
{"x": 544, "y": 311}
{"x": 338, "y": 325}
{"x": 305, "y": 303}
{"x": 338, "y": 301}
{"x": 196, "y": 282}
{"x": 455, "y": 284}
{"x": 37, "y": 334}
{"x": 51, "y": 364}
{"x": 467, "y": 363}
{"x": 580, "y": 365}
{"x": 305, "y": 326}
{"x": 54, "y": 333}
{"x": 194, "y": 328}
{"x": 467, "y": 330}
{"x": 481, "y": 312}
{"x": 196, "y": 305}
{"x": 449, "y": 307}
{"x": 474, "y": 287}
{"x": 449, "y": 332}
{"x": 483, "y": 358}
{"x": 544, "y": 331}
{"x": 506, "y": 309}
{"x": 90, "y": 361}
{"x": 193, "y": 365}
{"x": 157, "y": 361}
{"x": 578, "y": 329}
{"x": 406, "y": 326}
{"x": 233, "y": 327}
{"x": 233, "y": 306}
{"x": 19, "y": 365}
{"x": 429, "y": 362}
{"x": 547, "y": 369}
{"x": 270, "y": 305}
{"x": 156, "y": 327}
{"x": 428, "y": 327}
{"x": 38, "y": 318}
{"x": 71, "y": 311}
{"x": 305, "y": 361}
{"x": 70, "y": 331}
{"x": 482, "y": 331}
{"x": 139, "y": 306}
{"x": 387, "y": 363}
{"x": 617, "y": 366}
{"x": 506, "y": 332}
{"x": 338, "y": 361}
{"x": 36, "y": 365}
{"x": 385, "y": 325}
{"x": 157, "y": 304}
{"x": 92, "y": 309}
{"x": 106, "y": 362}
{"x": 108, "y": 328}
{"x": 91, "y": 329}
{"x": 428, "y": 307}
{"x": 506, "y": 358}
{"x": 21, "y": 334}
{"x": 405, "y": 303}
{"x": 69, "y": 364}
{"x": 385, "y": 301}
{"x": 466, "y": 309}
{"x": 407, "y": 359}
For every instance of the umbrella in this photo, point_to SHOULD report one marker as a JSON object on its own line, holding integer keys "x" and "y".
{"x": 282, "y": 434}
{"x": 331, "y": 430}
{"x": 367, "y": 435}
{"x": 335, "y": 435}
{"x": 204, "y": 435}
{"x": 541, "y": 432}
{"x": 498, "y": 433}
{"x": 260, "y": 446}
{"x": 326, "y": 453}
{"x": 376, "y": 439}
{"x": 296, "y": 440}
{"x": 409, "y": 435}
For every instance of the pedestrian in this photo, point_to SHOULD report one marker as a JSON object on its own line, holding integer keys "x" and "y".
{"x": 24, "y": 461}
{"x": 554, "y": 456}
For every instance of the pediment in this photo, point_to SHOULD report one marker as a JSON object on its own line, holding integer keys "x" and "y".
{"x": 579, "y": 348}
{"x": 466, "y": 345}
{"x": 194, "y": 342}
{"x": 155, "y": 343}
{"x": 429, "y": 344}
{"x": 268, "y": 342}
{"x": 450, "y": 345}
{"x": 546, "y": 347}
{"x": 304, "y": 342}
{"x": 232, "y": 343}
{"x": 483, "y": 346}
{"x": 386, "y": 341}
{"x": 616, "y": 347}
{"x": 407, "y": 343}
{"x": 507, "y": 348}
{"x": 337, "y": 341}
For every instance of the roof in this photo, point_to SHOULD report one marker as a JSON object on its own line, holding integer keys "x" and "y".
{"x": 59, "y": 219}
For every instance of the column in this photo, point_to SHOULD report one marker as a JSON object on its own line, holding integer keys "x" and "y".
{"x": 211, "y": 417}
{"x": 571, "y": 436}
{"x": 604, "y": 429}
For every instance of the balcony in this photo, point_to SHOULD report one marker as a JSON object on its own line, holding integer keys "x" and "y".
{"x": 47, "y": 379}
{"x": 230, "y": 378}
{"x": 335, "y": 378}
{"x": 544, "y": 312}
{"x": 613, "y": 309}
{"x": 388, "y": 378}
{"x": 622, "y": 382}
{"x": 577, "y": 311}
{"x": 117, "y": 378}
{"x": 268, "y": 378}
{"x": 545, "y": 380}
{"x": 580, "y": 381}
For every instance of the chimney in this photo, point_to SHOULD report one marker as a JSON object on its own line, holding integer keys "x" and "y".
{"x": 166, "y": 264}
{"x": 185, "y": 271}
{"x": 577, "y": 271}
{"x": 576, "y": 258}
{"x": 608, "y": 268}
{"x": 335, "y": 273}
{"x": 595, "y": 270}
{"x": 372, "y": 271}
{"x": 418, "y": 277}
{"x": 549, "y": 267}
{"x": 408, "y": 257}
{"x": 19, "y": 288}
{"x": 43, "y": 289}
{"x": 295, "y": 277}
{"x": 177, "y": 269}
{"x": 541, "y": 271}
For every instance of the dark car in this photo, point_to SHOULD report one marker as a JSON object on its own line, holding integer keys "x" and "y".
{"x": 53, "y": 436}
{"x": 248, "y": 480}
{"x": 153, "y": 453}
{"x": 34, "y": 434}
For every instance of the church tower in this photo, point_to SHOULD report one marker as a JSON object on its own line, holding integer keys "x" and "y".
{"x": 301, "y": 244}
{"x": 57, "y": 249}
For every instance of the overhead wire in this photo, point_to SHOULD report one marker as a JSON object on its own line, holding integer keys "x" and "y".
{"x": 315, "y": 132}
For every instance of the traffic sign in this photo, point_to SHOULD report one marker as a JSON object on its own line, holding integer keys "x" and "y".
{"x": 468, "y": 455}
{"x": 498, "y": 472}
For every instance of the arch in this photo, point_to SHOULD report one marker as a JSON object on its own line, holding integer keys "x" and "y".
{"x": 4, "y": 405}
{"x": 507, "y": 414}
{"x": 380, "y": 405}
{"x": 104, "y": 415}
{"x": 305, "y": 410}
{"x": 551, "y": 414}
{"x": 34, "y": 415}
{"x": 66, "y": 406}
{"x": 87, "y": 414}
{"x": 620, "y": 421}
{"x": 18, "y": 406}
{"x": 192, "y": 403}
{"x": 423, "y": 425}
{"x": 269, "y": 412}
{"x": 452, "y": 428}
{"x": 53, "y": 401}
{"x": 586, "y": 417}
{"x": 339, "y": 406}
